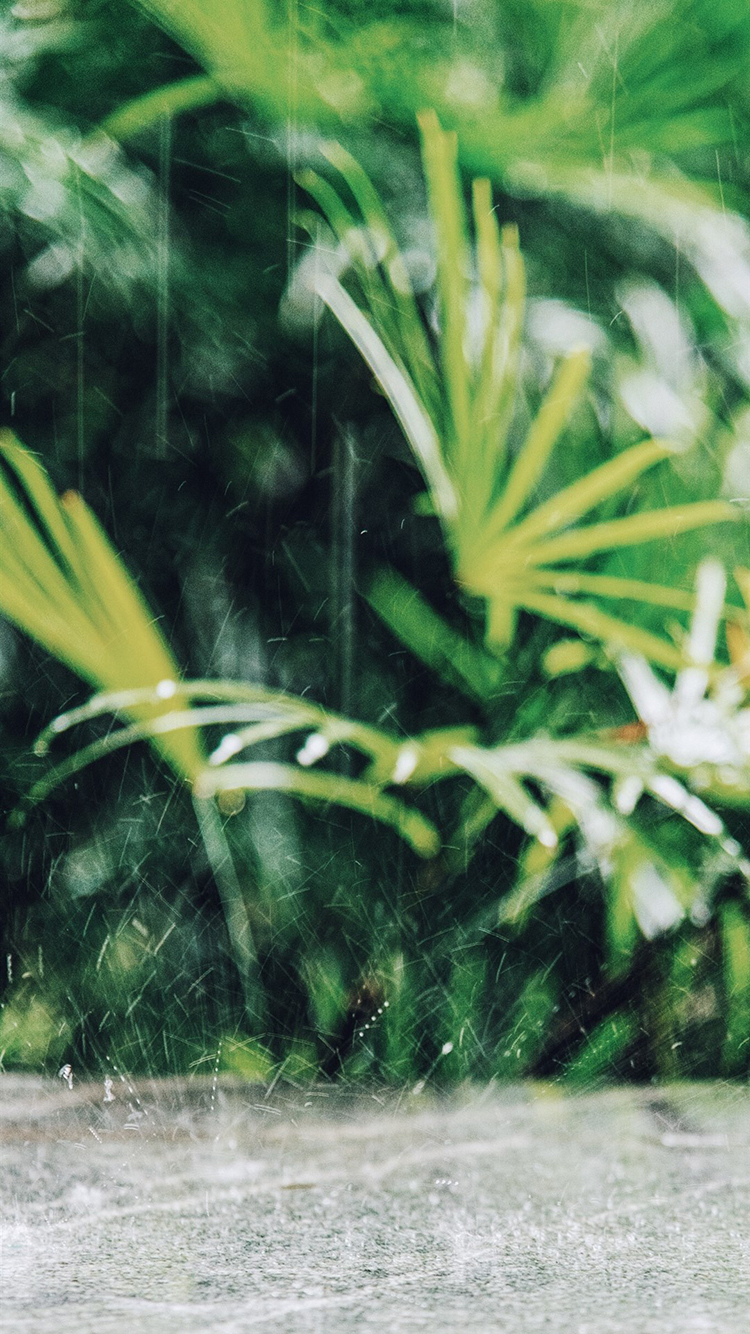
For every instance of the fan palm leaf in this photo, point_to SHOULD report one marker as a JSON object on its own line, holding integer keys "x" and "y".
{"x": 454, "y": 403}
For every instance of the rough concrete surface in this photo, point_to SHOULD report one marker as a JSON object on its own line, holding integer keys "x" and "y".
{"x": 187, "y": 1207}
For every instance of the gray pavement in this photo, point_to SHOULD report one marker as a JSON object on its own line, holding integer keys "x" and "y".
{"x": 185, "y": 1207}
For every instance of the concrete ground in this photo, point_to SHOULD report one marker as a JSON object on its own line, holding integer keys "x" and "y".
{"x": 184, "y": 1207}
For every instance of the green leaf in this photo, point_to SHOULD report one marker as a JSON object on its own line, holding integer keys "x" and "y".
{"x": 172, "y": 99}
{"x": 416, "y": 424}
{"x": 65, "y": 586}
{"x": 364, "y": 246}
{"x": 735, "y": 944}
{"x": 326, "y": 787}
{"x": 501, "y": 315}
{"x": 589, "y": 620}
{"x": 633, "y": 529}
{"x": 499, "y": 552}
{"x": 490, "y": 267}
{"x": 604, "y": 1049}
{"x": 489, "y": 770}
{"x": 459, "y": 662}
{"x": 398, "y": 297}
{"x": 544, "y": 432}
{"x": 440, "y": 157}
{"x": 612, "y": 586}
{"x": 600, "y": 484}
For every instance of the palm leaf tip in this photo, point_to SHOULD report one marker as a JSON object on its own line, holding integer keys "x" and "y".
{"x": 64, "y": 586}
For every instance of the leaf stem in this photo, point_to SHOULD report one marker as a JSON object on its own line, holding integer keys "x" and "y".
{"x": 239, "y": 928}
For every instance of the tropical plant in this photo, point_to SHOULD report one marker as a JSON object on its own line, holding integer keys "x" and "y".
{"x": 477, "y": 489}
{"x": 452, "y": 390}
{"x": 587, "y": 112}
{"x": 144, "y": 361}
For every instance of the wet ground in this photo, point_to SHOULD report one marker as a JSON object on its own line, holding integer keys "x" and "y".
{"x": 193, "y": 1207}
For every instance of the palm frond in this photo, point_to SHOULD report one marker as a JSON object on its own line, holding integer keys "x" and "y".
{"x": 608, "y": 126}
{"x": 62, "y": 584}
{"x": 505, "y": 548}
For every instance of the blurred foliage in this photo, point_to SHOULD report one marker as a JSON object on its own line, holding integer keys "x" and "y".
{"x": 165, "y": 354}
